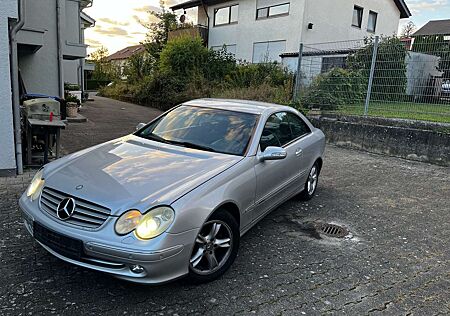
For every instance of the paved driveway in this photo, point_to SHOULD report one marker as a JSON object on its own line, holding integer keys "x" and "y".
{"x": 397, "y": 261}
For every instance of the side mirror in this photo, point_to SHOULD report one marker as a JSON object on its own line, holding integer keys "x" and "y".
{"x": 140, "y": 125}
{"x": 273, "y": 153}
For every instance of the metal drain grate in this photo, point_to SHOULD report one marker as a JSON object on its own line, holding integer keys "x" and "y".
{"x": 332, "y": 230}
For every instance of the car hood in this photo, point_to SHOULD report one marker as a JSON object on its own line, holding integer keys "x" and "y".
{"x": 132, "y": 172}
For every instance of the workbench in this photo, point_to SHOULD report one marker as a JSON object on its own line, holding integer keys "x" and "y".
{"x": 36, "y": 127}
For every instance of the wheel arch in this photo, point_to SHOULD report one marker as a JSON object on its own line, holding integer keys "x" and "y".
{"x": 230, "y": 207}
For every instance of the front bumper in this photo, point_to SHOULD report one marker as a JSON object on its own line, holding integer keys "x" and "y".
{"x": 164, "y": 259}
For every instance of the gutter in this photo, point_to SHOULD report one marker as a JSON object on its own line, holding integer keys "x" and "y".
{"x": 14, "y": 68}
{"x": 207, "y": 17}
{"x": 60, "y": 45}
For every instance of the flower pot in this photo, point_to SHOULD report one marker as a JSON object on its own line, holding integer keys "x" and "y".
{"x": 72, "y": 109}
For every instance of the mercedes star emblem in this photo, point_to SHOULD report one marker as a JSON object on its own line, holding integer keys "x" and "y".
{"x": 65, "y": 209}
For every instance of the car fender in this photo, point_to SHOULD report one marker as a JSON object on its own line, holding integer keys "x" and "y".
{"x": 235, "y": 184}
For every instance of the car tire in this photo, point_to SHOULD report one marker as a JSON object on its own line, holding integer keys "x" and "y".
{"x": 311, "y": 183}
{"x": 213, "y": 240}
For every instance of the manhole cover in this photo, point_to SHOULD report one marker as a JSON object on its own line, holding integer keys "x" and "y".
{"x": 332, "y": 230}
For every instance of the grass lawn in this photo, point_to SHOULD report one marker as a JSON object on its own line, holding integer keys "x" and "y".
{"x": 412, "y": 111}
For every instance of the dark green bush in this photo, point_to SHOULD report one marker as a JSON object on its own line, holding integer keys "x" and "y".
{"x": 337, "y": 87}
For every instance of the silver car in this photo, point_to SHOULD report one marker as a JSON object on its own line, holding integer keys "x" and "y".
{"x": 174, "y": 198}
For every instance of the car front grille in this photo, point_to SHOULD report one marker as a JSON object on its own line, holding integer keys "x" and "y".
{"x": 86, "y": 214}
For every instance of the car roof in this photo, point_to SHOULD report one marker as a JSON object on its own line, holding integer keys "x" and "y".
{"x": 244, "y": 106}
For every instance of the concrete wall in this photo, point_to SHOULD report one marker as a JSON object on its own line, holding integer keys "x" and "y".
{"x": 419, "y": 141}
{"x": 40, "y": 69}
{"x": 332, "y": 22}
{"x": 8, "y": 9}
{"x": 72, "y": 72}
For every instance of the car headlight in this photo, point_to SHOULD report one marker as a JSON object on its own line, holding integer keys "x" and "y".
{"x": 36, "y": 185}
{"x": 147, "y": 226}
{"x": 128, "y": 222}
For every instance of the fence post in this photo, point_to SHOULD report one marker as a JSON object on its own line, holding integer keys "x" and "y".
{"x": 298, "y": 77}
{"x": 372, "y": 72}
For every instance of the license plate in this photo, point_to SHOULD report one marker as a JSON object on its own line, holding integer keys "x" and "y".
{"x": 63, "y": 245}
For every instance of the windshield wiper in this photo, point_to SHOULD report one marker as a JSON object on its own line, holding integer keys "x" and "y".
{"x": 191, "y": 145}
{"x": 156, "y": 138}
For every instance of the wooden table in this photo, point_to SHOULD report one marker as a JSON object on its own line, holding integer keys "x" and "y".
{"x": 47, "y": 128}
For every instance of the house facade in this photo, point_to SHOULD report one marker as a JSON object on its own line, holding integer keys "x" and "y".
{"x": 120, "y": 58}
{"x": 39, "y": 39}
{"x": 258, "y": 30}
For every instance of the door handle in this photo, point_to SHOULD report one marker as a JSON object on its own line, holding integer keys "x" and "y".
{"x": 299, "y": 152}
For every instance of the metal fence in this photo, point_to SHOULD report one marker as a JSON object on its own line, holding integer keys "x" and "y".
{"x": 386, "y": 77}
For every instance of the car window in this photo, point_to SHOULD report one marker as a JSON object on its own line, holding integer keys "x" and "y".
{"x": 276, "y": 131}
{"x": 298, "y": 127}
{"x": 201, "y": 128}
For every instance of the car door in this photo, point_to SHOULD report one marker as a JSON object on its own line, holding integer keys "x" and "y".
{"x": 273, "y": 177}
{"x": 303, "y": 146}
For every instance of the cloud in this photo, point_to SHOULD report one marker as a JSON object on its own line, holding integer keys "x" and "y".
{"x": 113, "y": 22}
{"x": 93, "y": 42}
{"x": 418, "y": 6}
{"x": 147, "y": 8}
{"x": 110, "y": 31}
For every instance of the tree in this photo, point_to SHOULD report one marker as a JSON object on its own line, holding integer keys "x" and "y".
{"x": 138, "y": 67}
{"x": 408, "y": 29}
{"x": 158, "y": 34}
{"x": 104, "y": 69}
{"x": 390, "y": 81}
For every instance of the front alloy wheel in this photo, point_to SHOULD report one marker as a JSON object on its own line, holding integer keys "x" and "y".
{"x": 215, "y": 248}
{"x": 311, "y": 183}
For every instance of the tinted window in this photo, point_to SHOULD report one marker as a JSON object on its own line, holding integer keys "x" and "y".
{"x": 357, "y": 16}
{"x": 276, "y": 131}
{"x": 298, "y": 126}
{"x": 372, "y": 25}
{"x": 203, "y": 128}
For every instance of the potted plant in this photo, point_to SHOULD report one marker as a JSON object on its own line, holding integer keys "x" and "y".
{"x": 72, "y": 105}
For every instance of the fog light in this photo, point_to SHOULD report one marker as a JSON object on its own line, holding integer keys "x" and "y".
{"x": 137, "y": 269}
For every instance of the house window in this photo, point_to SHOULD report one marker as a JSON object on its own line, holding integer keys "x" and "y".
{"x": 268, "y": 51}
{"x": 226, "y": 15}
{"x": 372, "y": 25}
{"x": 231, "y": 49}
{"x": 357, "y": 16}
{"x": 329, "y": 63}
{"x": 272, "y": 11}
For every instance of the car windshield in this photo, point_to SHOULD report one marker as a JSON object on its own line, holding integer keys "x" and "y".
{"x": 208, "y": 129}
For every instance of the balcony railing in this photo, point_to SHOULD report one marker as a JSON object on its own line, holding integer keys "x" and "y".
{"x": 194, "y": 31}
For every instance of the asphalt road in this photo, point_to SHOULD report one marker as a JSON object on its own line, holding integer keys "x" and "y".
{"x": 396, "y": 259}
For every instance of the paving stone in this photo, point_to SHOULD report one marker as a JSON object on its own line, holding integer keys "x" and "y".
{"x": 396, "y": 263}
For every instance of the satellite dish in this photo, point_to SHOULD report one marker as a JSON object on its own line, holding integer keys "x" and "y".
{"x": 183, "y": 18}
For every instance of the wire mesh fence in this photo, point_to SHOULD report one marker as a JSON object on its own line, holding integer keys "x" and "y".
{"x": 387, "y": 77}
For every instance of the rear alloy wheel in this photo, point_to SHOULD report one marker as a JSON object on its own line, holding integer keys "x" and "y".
{"x": 311, "y": 183}
{"x": 215, "y": 248}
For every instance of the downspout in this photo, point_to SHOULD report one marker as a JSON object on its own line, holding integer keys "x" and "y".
{"x": 15, "y": 85}
{"x": 207, "y": 19}
{"x": 60, "y": 45}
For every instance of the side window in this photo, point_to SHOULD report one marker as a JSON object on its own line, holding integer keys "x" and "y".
{"x": 276, "y": 131}
{"x": 298, "y": 126}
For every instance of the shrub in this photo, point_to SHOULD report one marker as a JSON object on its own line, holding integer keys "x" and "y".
{"x": 390, "y": 79}
{"x": 182, "y": 57}
{"x": 246, "y": 75}
{"x": 337, "y": 87}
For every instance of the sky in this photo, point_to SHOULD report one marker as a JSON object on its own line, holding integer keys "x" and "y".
{"x": 119, "y": 23}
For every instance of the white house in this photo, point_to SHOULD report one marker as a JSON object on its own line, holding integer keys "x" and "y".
{"x": 257, "y": 30}
{"x": 40, "y": 38}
